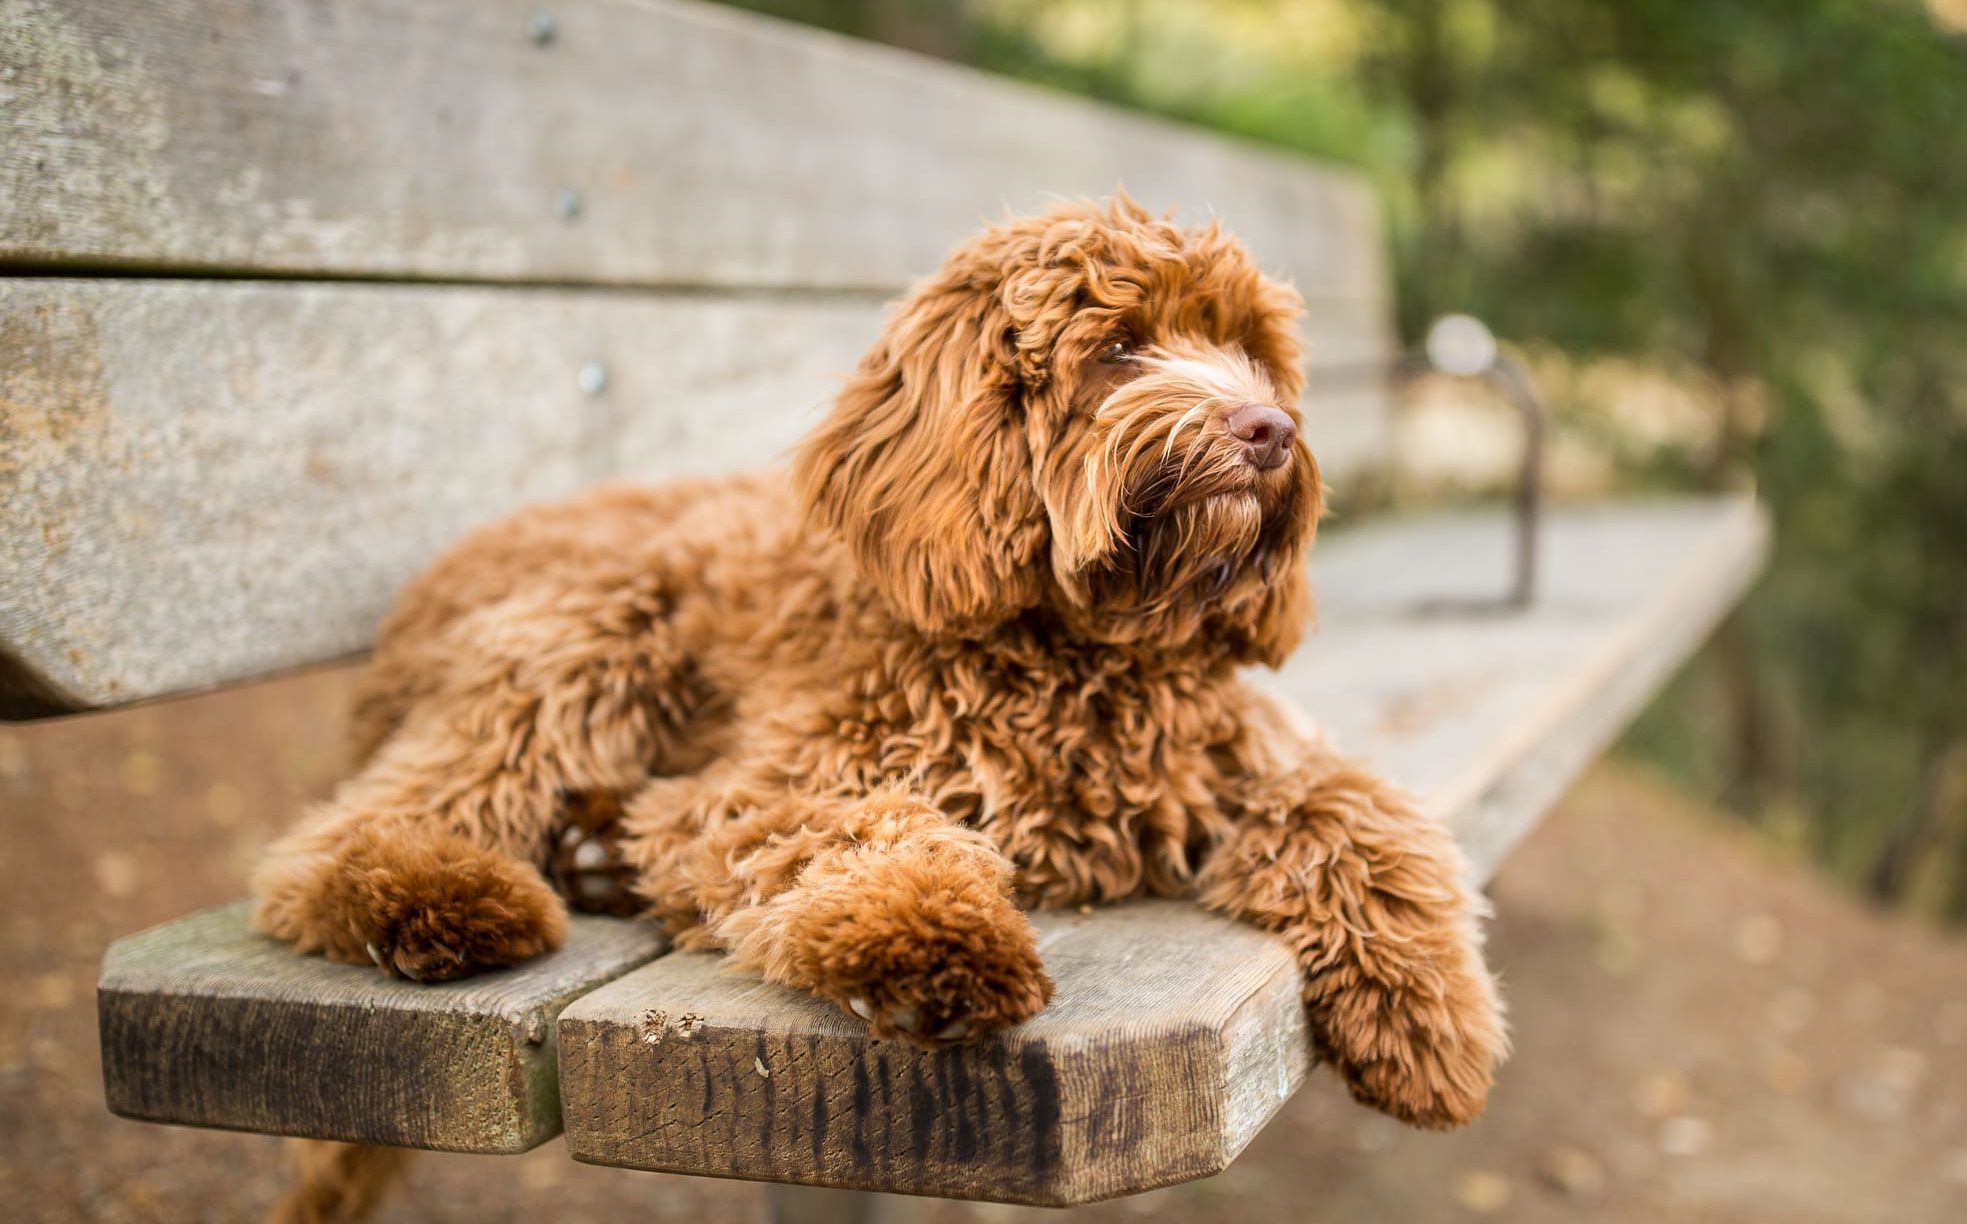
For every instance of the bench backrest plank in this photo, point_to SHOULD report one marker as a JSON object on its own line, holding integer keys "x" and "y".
{"x": 222, "y": 480}
{"x": 207, "y": 480}
{"x": 707, "y": 147}
{"x": 1487, "y": 713}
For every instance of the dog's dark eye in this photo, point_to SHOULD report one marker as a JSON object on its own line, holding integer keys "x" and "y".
{"x": 1117, "y": 351}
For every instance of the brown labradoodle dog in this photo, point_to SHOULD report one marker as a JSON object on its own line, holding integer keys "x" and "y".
{"x": 979, "y": 651}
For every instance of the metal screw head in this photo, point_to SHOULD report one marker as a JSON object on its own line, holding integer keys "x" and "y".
{"x": 540, "y": 28}
{"x": 593, "y": 378}
{"x": 567, "y": 204}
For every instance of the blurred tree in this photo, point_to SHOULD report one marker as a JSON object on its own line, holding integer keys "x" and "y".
{"x": 1774, "y": 192}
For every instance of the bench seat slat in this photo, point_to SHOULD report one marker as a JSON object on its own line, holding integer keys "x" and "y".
{"x": 206, "y": 1023}
{"x": 1174, "y": 1036}
{"x": 1171, "y": 1040}
{"x": 1488, "y": 715}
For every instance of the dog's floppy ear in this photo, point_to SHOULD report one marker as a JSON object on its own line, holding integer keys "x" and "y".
{"x": 923, "y": 467}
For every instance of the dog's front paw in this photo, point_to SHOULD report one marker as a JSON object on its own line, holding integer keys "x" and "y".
{"x": 930, "y": 951}
{"x": 585, "y": 860}
{"x": 452, "y": 911}
{"x": 1427, "y": 1057}
{"x": 938, "y": 990}
{"x": 428, "y": 907}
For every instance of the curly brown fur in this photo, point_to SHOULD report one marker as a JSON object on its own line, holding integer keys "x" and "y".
{"x": 338, "y": 1183}
{"x": 983, "y": 648}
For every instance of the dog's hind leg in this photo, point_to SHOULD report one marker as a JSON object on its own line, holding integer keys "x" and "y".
{"x": 338, "y": 1183}
{"x": 426, "y": 861}
{"x": 882, "y": 904}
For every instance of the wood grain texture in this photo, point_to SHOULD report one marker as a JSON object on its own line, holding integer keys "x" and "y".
{"x": 205, "y": 482}
{"x": 206, "y": 1023}
{"x": 1489, "y": 715}
{"x": 1174, "y": 1036}
{"x": 707, "y": 146}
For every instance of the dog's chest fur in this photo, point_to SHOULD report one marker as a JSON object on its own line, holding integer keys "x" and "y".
{"x": 1098, "y": 770}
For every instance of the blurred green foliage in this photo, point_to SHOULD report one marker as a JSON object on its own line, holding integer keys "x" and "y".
{"x": 1767, "y": 199}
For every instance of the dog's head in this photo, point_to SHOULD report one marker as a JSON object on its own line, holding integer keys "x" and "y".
{"x": 1091, "y": 412}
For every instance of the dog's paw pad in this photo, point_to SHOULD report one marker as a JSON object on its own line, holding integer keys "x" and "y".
{"x": 937, "y": 991}
{"x": 422, "y": 965}
{"x": 586, "y": 864}
{"x": 941, "y": 1022}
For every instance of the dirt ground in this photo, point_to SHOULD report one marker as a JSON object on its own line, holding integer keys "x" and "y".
{"x": 1703, "y": 1033}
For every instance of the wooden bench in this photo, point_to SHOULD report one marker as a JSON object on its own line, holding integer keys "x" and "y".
{"x": 278, "y": 322}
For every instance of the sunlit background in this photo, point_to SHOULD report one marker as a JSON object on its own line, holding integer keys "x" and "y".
{"x": 1730, "y": 239}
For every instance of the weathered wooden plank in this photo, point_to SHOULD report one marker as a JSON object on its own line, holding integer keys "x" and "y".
{"x": 1488, "y": 716}
{"x": 704, "y": 146}
{"x": 204, "y": 482}
{"x": 1174, "y": 1036}
{"x": 208, "y": 1024}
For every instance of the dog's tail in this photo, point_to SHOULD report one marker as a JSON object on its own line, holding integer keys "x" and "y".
{"x": 339, "y": 1183}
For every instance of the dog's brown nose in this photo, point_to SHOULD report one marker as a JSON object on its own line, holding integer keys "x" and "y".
{"x": 1265, "y": 432}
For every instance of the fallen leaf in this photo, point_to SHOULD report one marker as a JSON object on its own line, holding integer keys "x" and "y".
{"x": 1901, "y": 1067}
{"x": 1573, "y": 1170}
{"x": 1661, "y": 1094}
{"x": 1684, "y": 1136}
{"x": 1792, "y": 1011}
{"x": 1864, "y": 1003}
{"x": 116, "y": 873}
{"x": 1956, "y": 1167}
{"x": 1950, "y": 1023}
{"x": 225, "y": 804}
{"x": 1482, "y": 1192}
{"x": 142, "y": 771}
{"x": 53, "y": 991}
{"x": 1784, "y": 1071}
{"x": 1759, "y": 939}
{"x": 13, "y": 757}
